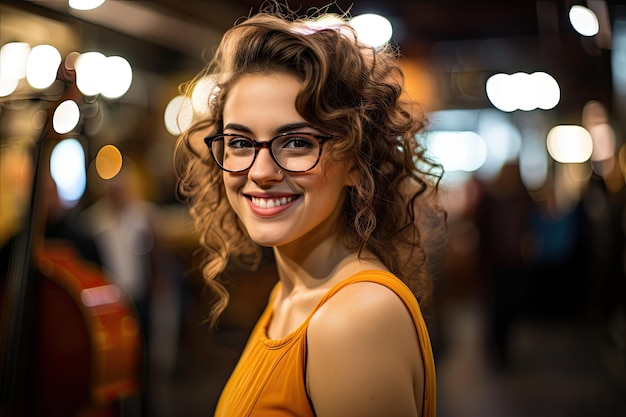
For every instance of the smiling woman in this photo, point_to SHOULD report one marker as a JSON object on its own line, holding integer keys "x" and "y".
{"x": 315, "y": 154}
{"x": 264, "y": 106}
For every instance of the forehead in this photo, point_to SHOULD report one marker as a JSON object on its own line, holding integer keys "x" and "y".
{"x": 262, "y": 101}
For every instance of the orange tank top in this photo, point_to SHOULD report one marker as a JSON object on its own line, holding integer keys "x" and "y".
{"x": 269, "y": 379}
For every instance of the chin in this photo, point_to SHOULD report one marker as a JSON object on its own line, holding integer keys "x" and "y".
{"x": 265, "y": 240}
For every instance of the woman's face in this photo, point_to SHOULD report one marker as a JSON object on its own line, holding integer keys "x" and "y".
{"x": 280, "y": 208}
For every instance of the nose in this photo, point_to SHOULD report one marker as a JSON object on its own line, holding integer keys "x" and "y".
{"x": 264, "y": 168}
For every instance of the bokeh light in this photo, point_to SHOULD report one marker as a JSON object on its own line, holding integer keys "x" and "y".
{"x": 85, "y": 4}
{"x": 546, "y": 90}
{"x": 119, "y": 76}
{"x": 90, "y": 72}
{"x": 178, "y": 115}
{"x": 202, "y": 94}
{"x": 372, "y": 29}
{"x": 108, "y": 162}
{"x": 7, "y": 85}
{"x": 457, "y": 151}
{"x": 584, "y": 20}
{"x": 569, "y": 144}
{"x": 13, "y": 57}
{"x": 99, "y": 74}
{"x": 604, "y": 142}
{"x": 66, "y": 117}
{"x": 42, "y": 66}
{"x": 67, "y": 167}
{"x": 522, "y": 91}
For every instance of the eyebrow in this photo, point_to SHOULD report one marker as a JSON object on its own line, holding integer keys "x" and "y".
{"x": 282, "y": 129}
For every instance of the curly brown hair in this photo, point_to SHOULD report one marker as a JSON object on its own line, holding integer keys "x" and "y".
{"x": 350, "y": 90}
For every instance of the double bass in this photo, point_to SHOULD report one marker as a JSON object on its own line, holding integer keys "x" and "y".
{"x": 70, "y": 341}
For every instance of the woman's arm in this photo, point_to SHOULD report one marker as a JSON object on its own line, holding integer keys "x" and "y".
{"x": 363, "y": 356}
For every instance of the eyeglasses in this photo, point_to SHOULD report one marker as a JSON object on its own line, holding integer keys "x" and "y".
{"x": 293, "y": 152}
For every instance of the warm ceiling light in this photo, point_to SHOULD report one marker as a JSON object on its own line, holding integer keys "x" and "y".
{"x": 522, "y": 91}
{"x": 569, "y": 144}
{"x": 178, "y": 115}
{"x": 119, "y": 76}
{"x": 108, "y": 162}
{"x": 42, "y": 66}
{"x": 85, "y": 4}
{"x": 584, "y": 20}
{"x": 372, "y": 29}
{"x": 66, "y": 117}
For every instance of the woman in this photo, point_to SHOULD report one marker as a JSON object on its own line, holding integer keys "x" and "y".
{"x": 311, "y": 150}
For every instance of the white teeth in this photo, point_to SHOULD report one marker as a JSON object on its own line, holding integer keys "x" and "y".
{"x": 271, "y": 202}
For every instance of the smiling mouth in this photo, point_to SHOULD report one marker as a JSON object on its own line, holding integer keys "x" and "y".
{"x": 271, "y": 202}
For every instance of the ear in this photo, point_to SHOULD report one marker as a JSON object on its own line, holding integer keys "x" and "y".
{"x": 354, "y": 175}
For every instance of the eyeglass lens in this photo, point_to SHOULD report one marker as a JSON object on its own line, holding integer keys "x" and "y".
{"x": 294, "y": 152}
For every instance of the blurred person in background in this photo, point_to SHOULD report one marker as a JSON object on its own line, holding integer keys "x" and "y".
{"x": 310, "y": 147}
{"x": 121, "y": 225}
{"x": 503, "y": 216}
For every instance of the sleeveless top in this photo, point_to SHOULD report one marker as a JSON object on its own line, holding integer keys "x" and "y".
{"x": 269, "y": 379}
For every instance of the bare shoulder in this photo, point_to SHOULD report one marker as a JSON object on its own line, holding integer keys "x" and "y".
{"x": 364, "y": 354}
{"x": 353, "y": 303}
{"x": 361, "y": 314}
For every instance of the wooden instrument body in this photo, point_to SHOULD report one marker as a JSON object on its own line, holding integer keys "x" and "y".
{"x": 71, "y": 343}
{"x": 88, "y": 339}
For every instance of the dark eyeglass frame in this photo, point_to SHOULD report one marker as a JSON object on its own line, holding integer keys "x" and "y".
{"x": 268, "y": 145}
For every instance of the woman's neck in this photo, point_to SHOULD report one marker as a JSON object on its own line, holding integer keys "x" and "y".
{"x": 321, "y": 266}
{"x": 305, "y": 266}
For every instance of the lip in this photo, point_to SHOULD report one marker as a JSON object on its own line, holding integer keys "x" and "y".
{"x": 270, "y": 205}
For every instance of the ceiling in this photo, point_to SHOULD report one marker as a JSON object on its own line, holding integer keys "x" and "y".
{"x": 462, "y": 42}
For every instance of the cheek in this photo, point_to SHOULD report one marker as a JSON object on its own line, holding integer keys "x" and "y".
{"x": 336, "y": 174}
{"x": 231, "y": 184}
{"x": 330, "y": 188}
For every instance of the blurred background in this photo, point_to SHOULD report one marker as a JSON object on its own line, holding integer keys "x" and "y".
{"x": 527, "y": 108}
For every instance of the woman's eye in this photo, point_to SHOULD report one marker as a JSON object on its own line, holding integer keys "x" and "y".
{"x": 299, "y": 142}
{"x": 240, "y": 143}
